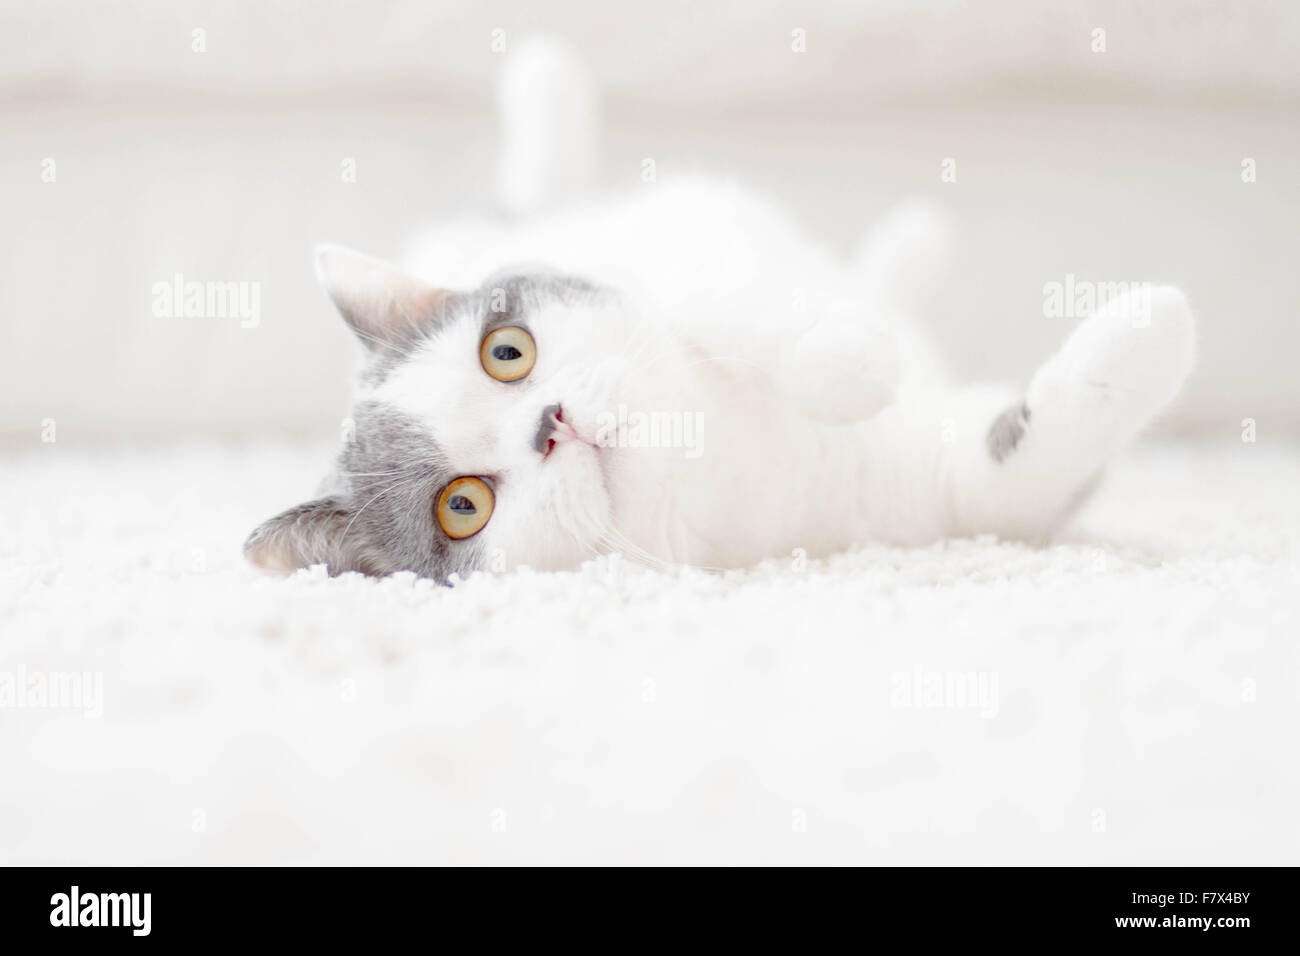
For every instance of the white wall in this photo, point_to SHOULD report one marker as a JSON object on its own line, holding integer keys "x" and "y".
{"x": 226, "y": 166}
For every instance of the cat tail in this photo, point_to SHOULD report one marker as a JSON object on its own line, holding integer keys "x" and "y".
{"x": 548, "y": 113}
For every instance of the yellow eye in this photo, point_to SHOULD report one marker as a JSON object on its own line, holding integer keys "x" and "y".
{"x": 508, "y": 354}
{"x": 464, "y": 507}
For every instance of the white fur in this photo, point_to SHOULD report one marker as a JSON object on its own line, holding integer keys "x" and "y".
{"x": 827, "y": 418}
{"x": 729, "y": 314}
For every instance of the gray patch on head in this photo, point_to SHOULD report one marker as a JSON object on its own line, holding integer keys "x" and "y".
{"x": 506, "y": 298}
{"x": 390, "y": 473}
{"x": 1006, "y": 431}
{"x": 375, "y": 514}
{"x": 510, "y": 297}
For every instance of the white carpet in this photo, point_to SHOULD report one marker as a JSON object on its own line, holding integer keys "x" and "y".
{"x": 1138, "y": 684}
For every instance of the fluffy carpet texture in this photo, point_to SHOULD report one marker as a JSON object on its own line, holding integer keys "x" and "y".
{"x": 1126, "y": 695}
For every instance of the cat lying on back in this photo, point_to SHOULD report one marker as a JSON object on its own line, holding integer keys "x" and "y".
{"x": 682, "y": 378}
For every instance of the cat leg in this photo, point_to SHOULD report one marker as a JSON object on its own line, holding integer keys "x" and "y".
{"x": 840, "y": 370}
{"x": 1040, "y": 454}
{"x": 856, "y": 360}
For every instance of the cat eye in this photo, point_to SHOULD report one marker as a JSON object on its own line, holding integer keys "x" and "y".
{"x": 508, "y": 353}
{"x": 464, "y": 507}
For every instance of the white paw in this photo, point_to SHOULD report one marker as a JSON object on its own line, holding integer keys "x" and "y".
{"x": 1132, "y": 356}
{"x": 840, "y": 372}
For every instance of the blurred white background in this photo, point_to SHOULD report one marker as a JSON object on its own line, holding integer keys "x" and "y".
{"x": 225, "y": 165}
{"x": 1145, "y": 662}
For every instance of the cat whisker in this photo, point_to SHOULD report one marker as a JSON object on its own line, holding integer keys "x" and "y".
{"x": 389, "y": 488}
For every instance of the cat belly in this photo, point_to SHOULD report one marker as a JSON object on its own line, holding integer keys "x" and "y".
{"x": 761, "y": 482}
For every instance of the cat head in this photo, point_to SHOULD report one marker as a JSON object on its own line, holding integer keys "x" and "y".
{"x": 474, "y": 434}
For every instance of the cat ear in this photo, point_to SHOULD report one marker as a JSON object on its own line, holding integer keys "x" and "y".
{"x": 316, "y": 532}
{"x": 385, "y": 306}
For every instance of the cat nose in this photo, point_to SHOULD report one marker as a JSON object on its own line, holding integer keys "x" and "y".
{"x": 546, "y": 427}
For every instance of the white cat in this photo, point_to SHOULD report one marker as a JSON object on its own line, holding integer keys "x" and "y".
{"x": 682, "y": 377}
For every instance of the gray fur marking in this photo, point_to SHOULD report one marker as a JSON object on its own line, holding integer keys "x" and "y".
{"x": 504, "y": 299}
{"x": 378, "y": 517}
{"x": 1006, "y": 431}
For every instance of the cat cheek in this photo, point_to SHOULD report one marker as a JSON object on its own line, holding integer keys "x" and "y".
{"x": 596, "y": 390}
{"x": 610, "y": 370}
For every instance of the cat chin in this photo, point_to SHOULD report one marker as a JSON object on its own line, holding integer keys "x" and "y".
{"x": 571, "y": 456}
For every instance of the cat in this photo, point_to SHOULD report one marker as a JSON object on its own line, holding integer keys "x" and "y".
{"x": 679, "y": 376}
